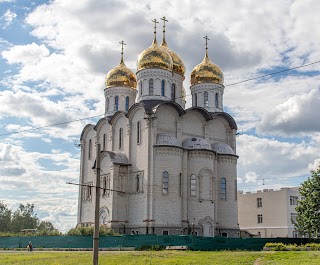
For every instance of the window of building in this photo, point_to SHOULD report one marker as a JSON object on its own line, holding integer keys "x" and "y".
{"x": 259, "y": 202}
{"x": 259, "y": 218}
{"x": 194, "y": 233}
{"x": 116, "y": 103}
{"x": 223, "y": 188}
{"x": 138, "y": 183}
{"x": 295, "y": 234}
{"x": 90, "y": 149}
{"x": 127, "y": 103}
{"x": 224, "y": 234}
{"x": 163, "y": 88}
{"x": 193, "y": 185}
{"x": 180, "y": 185}
{"x": 107, "y": 104}
{"x": 294, "y": 217}
{"x": 293, "y": 200}
{"x": 217, "y": 100}
{"x": 87, "y": 192}
{"x": 196, "y": 99}
{"x": 165, "y": 232}
{"x": 165, "y": 182}
{"x": 173, "y": 92}
{"x": 140, "y": 85}
{"x": 104, "y": 185}
{"x": 104, "y": 142}
{"x": 151, "y": 87}
{"x": 120, "y": 138}
{"x": 206, "y": 99}
{"x": 138, "y": 132}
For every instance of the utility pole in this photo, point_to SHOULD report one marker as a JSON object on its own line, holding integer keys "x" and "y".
{"x": 96, "y": 210}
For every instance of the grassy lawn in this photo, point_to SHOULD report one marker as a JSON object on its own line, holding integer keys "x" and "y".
{"x": 161, "y": 257}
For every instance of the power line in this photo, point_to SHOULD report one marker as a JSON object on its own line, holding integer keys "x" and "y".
{"x": 232, "y": 84}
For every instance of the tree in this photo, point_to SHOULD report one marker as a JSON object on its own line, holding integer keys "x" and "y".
{"x": 5, "y": 218}
{"x": 308, "y": 219}
{"x": 24, "y": 218}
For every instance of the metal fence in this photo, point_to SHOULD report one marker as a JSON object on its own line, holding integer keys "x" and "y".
{"x": 137, "y": 241}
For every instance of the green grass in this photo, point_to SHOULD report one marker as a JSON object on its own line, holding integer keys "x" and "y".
{"x": 161, "y": 257}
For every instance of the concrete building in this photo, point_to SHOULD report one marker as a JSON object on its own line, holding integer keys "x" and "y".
{"x": 269, "y": 213}
{"x": 164, "y": 169}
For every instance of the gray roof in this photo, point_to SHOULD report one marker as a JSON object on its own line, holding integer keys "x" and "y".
{"x": 222, "y": 148}
{"x": 167, "y": 139}
{"x": 196, "y": 143}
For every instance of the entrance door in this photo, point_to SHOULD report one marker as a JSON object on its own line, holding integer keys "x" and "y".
{"x": 207, "y": 229}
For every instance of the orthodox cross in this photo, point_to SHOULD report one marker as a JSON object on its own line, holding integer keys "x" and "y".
{"x": 155, "y": 25}
{"x": 164, "y": 23}
{"x": 206, "y": 38}
{"x": 122, "y": 43}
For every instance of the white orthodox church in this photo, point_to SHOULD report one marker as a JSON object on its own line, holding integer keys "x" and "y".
{"x": 165, "y": 169}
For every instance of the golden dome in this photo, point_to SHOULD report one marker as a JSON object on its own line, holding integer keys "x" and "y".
{"x": 206, "y": 72}
{"x": 178, "y": 65}
{"x": 154, "y": 57}
{"x": 121, "y": 76}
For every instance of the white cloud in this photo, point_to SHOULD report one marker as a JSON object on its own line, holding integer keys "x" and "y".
{"x": 8, "y": 18}
{"x": 250, "y": 177}
{"x": 297, "y": 115}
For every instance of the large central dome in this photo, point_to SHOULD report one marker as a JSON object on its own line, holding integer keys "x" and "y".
{"x": 155, "y": 57}
{"x": 206, "y": 72}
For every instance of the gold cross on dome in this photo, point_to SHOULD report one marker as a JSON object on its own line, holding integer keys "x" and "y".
{"x": 206, "y": 38}
{"x": 164, "y": 23}
{"x": 155, "y": 25}
{"x": 122, "y": 43}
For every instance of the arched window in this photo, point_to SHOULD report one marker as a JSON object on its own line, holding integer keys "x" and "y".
{"x": 104, "y": 142}
{"x": 173, "y": 92}
{"x": 151, "y": 87}
{"x": 90, "y": 149}
{"x": 205, "y": 99}
{"x": 223, "y": 189}
{"x": 195, "y": 99}
{"x": 107, "y": 104}
{"x": 217, "y": 100}
{"x": 140, "y": 83}
{"x": 120, "y": 138}
{"x": 138, "y": 132}
{"x": 193, "y": 185}
{"x": 116, "y": 103}
{"x": 137, "y": 183}
{"x": 165, "y": 182}
{"x": 127, "y": 103}
{"x": 163, "y": 87}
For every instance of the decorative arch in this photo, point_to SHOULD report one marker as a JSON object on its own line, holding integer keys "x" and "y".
{"x": 86, "y": 130}
{"x": 207, "y": 184}
{"x": 104, "y": 216}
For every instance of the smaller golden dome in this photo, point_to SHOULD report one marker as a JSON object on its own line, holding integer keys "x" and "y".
{"x": 154, "y": 57}
{"x": 178, "y": 65}
{"x": 206, "y": 72}
{"x": 121, "y": 76}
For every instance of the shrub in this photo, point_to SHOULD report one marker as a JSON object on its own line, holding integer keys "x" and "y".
{"x": 88, "y": 231}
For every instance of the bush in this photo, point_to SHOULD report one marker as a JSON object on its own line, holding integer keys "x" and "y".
{"x": 151, "y": 247}
{"x": 88, "y": 231}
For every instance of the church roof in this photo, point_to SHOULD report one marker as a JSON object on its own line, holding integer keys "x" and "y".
{"x": 196, "y": 143}
{"x": 167, "y": 140}
{"x": 222, "y": 148}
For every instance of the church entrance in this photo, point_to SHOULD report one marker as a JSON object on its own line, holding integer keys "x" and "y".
{"x": 207, "y": 229}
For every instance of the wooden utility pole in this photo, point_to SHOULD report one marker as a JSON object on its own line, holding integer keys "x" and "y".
{"x": 96, "y": 210}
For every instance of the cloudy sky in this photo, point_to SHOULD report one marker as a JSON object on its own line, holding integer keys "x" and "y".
{"x": 54, "y": 56}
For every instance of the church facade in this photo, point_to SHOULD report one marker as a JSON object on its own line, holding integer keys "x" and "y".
{"x": 165, "y": 169}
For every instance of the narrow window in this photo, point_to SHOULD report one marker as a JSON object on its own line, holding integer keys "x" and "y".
{"x": 104, "y": 142}
{"x": 116, "y": 103}
{"x": 294, "y": 217}
{"x": 107, "y": 104}
{"x": 193, "y": 185}
{"x": 140, "y": 84}
{"x": 127, "y": 103}
{"x": 104, "y": 186}
{"x": 293, "y": 200}
{"x": 217, "y": 100}
{"x": 180, "y": 185}
{"x": 90, "y": 149}
{"x": 259, "y": 218}
{"x": 165, "y": 182}
{"x": 165, "y": 232}
{"x": 138, "y": 132}
{"x": 137, "y": 183}
{"x": 151, "y": 87}
{"x": 163, "y": 88}
{"x": 205, "y": 99}
{"x": 259, "y": 202}
{"x": 120, "y": 138}
{"x": 173, "y": 92}
{"x": 223, "y": 189}
{"x": 196, "y": 99}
